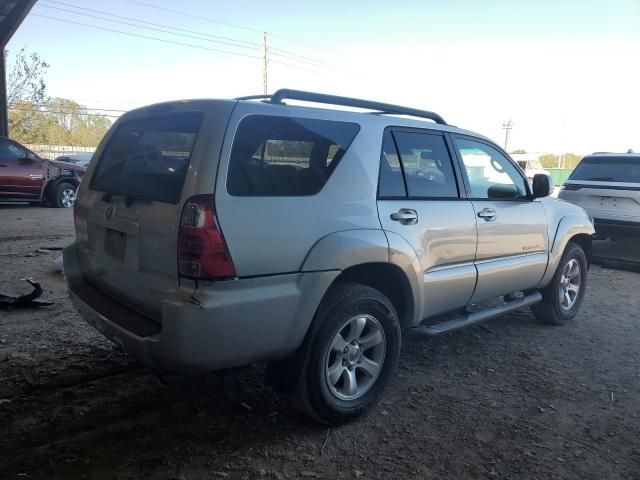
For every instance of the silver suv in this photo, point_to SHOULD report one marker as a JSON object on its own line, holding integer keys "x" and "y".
{"x": 218, "y": 233}
{"x": 607, "y": 186}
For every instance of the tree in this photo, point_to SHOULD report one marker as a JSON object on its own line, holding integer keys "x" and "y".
{"x": 26, "y": 88}
{"x": 35, "y": 118}
{"x": 58, "y": 121}
{"x": 566, "y": 160}
{"x": 26, "y": 78}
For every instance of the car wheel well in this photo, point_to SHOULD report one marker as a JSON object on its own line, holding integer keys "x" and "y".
{"x": 388, "y": 279}
{"x": 49, "y": 187}
{"x": 585, "y": 242}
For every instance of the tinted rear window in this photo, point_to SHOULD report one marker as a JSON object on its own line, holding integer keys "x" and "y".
{"x": 148, "y": 158}
{"x": 283, "y": 156}
{"x": 608, "y": 169}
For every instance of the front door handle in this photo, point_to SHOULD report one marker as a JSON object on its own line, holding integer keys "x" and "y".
{"x": 489, "y": 214}
{"x": 406, "y": 216}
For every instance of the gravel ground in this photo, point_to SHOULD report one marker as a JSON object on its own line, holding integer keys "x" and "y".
{"x": 506, "y": 399}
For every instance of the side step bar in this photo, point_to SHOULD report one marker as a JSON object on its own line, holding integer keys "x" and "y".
{"x": 479, "y": 316}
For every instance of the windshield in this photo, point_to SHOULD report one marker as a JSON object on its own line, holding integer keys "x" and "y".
{"x": 149, "y": 157}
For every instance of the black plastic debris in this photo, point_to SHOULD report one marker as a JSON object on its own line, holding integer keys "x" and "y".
{"x": 28, "y": 300}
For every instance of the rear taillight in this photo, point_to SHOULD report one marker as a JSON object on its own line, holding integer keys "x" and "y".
{"x": 202, "y": 251}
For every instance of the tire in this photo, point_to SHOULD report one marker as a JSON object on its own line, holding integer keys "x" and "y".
{"x": 348, "y": 311}
{"x": 556, "y": 308}
{"x": 64, "y": 195}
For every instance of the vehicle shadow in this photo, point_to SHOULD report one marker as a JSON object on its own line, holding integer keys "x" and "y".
{"x": 15, "y": 205}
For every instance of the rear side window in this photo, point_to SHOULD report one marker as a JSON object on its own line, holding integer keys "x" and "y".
{"x": 391, "y": 181}
{"x": 148, "y": 158}
{"x": 284, "y": 156}
{"x": 608, "y": 169}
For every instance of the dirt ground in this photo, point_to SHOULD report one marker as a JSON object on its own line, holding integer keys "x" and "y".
{"x": 507, "y": 399}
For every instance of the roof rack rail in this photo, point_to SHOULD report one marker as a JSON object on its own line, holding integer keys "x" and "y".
{"x": 378, "y": 107}
{"x": 254, "y": 97}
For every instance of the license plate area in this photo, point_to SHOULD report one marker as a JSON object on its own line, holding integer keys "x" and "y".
{"x": 608, "y": 202}
{"x": 115, "y": 244}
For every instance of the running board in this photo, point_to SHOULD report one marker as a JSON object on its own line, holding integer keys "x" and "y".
{"x": 477, "y": 317}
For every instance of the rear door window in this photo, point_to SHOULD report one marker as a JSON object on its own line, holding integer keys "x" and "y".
{"x": 608, "y": 169}
{"x": 427, "y": 166}
{"x": 283, "y": 156}
{"x": 148, "y": 158}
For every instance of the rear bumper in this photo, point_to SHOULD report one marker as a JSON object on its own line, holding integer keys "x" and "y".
{"x": 220, "y": 325}
{"x": 607, "y": 227}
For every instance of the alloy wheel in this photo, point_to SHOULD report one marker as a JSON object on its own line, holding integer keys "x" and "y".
{"x": 570, "y": 281}
{"x": 355, "y": 357}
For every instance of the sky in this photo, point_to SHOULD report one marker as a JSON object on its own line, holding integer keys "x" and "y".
{"x": 565, "y": 72}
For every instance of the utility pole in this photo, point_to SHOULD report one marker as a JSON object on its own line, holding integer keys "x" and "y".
{"x": 507, "y": 126}
{"x": 264, "y": 66}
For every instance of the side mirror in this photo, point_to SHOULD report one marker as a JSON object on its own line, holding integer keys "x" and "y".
{"x": 543, "y": 185}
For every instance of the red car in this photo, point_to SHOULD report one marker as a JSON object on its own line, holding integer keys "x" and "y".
{"x": 25, "y": 177}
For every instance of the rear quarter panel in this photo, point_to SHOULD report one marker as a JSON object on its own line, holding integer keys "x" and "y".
{"x": 270, "y": 235}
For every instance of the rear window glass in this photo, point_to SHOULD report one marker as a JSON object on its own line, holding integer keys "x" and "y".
{"x": 148, "y": 158}
{"x": 283, "y": 156}
{"x": 608, "y": 169}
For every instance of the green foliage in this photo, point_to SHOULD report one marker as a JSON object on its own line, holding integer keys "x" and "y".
{"x": 57, "y": 121}
{"x": 34, "y": 118}
{"x": 549, "y": 160}
{"x": 567, "y": 160}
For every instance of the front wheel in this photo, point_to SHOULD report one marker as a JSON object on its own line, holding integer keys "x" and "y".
{"x": 352, "y": 354}
{"x": 561, "y": 300}
{"x": 64, "y": 195}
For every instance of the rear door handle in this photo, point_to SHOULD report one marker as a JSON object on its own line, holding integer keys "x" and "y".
{"x": 489, "y": 214}
{"x": 406, "y": 216}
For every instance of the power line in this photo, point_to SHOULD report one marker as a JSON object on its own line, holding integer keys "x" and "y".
{"x": 211, "y": 20}
{"x": 226, "y": 40}
{"x": 170, "y": 41}
{"x": 250, "y": 45}
{"x": 145, "y": 36}
{"x": 275, "y": 51}
{"x": 285, "y": 53}
{"x": 199, "y": 17}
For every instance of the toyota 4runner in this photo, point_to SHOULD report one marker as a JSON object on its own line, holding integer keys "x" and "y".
{"x": 218, "y": 233}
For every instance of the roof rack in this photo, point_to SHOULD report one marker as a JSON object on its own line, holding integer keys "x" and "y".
{"x": 379, "y": 108}
{"x": 254, "y": 97}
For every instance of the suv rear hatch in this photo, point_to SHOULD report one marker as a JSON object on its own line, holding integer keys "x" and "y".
{"x": 129, "y": 207}
{"x": 607, "y": 186}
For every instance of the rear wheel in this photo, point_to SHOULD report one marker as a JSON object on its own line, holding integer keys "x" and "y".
{"x": 562, "y": 298}
{"x": 64, "y": 195}
{"x": 352, "y": 354}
